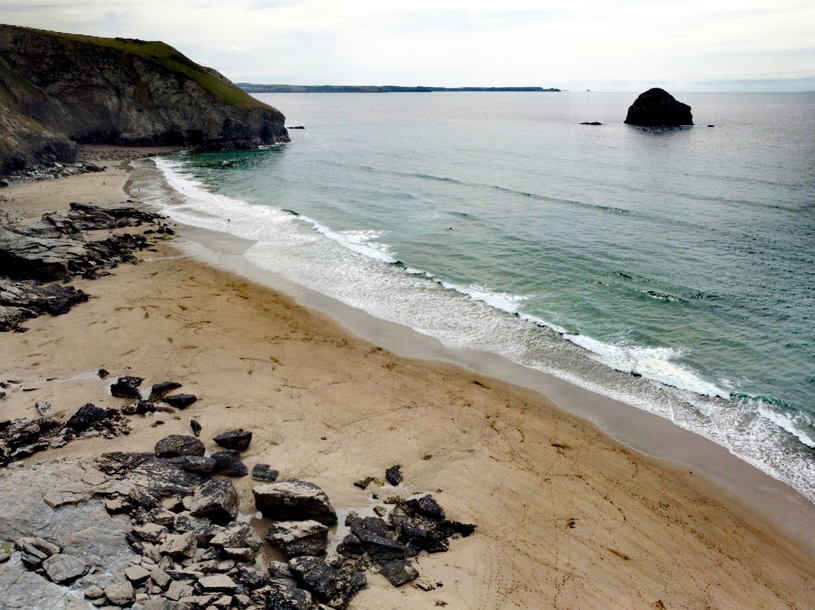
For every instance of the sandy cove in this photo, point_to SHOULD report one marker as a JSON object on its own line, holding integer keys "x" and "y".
{"x": 567, "y": 517}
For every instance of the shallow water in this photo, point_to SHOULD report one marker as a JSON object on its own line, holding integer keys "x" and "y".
{"x": 672, "y": 270}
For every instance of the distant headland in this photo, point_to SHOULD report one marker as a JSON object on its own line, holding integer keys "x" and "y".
{"x": 252, "y": 88}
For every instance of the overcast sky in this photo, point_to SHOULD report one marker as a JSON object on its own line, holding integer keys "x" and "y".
{"x": 576, "y": 44}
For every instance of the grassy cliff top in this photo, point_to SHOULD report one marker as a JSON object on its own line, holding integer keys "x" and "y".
{"x": 170, "y": 59}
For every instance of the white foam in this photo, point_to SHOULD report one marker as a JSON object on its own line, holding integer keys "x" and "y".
{"x": 360, "y": 242}
{"x": 502, "y": 301}
{"x": 656, "y": 363}
{"x": 794, "y": 424}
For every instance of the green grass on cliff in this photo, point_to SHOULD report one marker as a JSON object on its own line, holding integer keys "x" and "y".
{"x": 167, "y": 57}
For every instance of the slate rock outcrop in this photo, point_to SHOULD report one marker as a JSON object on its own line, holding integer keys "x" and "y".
{"x": 658, "y": 108}
{"x": 66, "y": 88}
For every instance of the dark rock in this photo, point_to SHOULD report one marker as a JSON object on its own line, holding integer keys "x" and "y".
{"x": 203, "y": 465}
{"x": 160, "y": 390}
{"x": 179, "y": 401}
{"x": 86, "y": 417}
{"x": 178, "y": 445}
{"x": 228, "y": 463}
{"x": 658, "y": 108}
{"x": 284, "y": 597}
{"x": 300, "y": 566}
{"x": 102, "y": 373}
{"x": 591, "y": 123}
{"x": 335, "y": 586}
{"x": 196, "y": 428}
{"x": 351, "y": 546}
{"x": 398, "y": 572}
{"x": 298, "y": 537}
{"x": 393, "y": 475}
{"x": 234, "y": 439}
{"x": 22, "y": 300}
{"x": 363, "y": 483}
{"x": 125, "y": 387}
{"x": 264, "y": 473}
{"x": 294, "y": 500}
{"x": 145, "y": 406}
{"x": 216, "y": 499}
{"x": 426, "y": 506}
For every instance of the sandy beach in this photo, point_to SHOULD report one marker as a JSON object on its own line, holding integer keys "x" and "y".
{"x": 567, "y": 517}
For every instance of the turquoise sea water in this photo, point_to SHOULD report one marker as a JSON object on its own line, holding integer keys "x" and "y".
{"x": 673, "y": 270}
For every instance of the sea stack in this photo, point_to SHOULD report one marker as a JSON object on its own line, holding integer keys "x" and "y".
{"x": 658, "y": 108}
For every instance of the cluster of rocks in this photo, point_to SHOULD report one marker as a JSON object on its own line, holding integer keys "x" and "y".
{"x": 52, "y": 170}
{"x": 32, "y": 257}
{"x": 112, "y": 154}
{"x": 196, "y": 553}
{"x": 22, "y": 437}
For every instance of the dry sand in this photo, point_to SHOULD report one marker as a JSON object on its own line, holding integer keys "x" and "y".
{"x": 567, "y": 517}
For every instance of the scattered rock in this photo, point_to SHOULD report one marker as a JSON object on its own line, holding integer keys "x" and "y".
{"x": 179, "y": 445}
{"x": 334, "y": 585}
{"x": 264, "y": 473}
{"x": 228, "y": 463}
{"x": 180, "y": 401}
{"x": 86, "y": 417}
{"x": 234, "y": 439}
{"x": 126, "y": 387}
{"x": 196, "y": 428}
{"x": 658, "y": 108}
{"x": 294, "y": 500}
{"x": 160, "y": 390}
{"x": 393, "y": 475}
{"x": 44, "y": 409}
{"x": 295, "y": 538}
{"x": 103, "y": 373}
{"x": 93, "y": 592}
{"x": 137, "y": 574}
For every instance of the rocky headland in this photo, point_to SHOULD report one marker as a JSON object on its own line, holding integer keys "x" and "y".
{"x": 658, "y": 108}
{"x": 57, "y": 90}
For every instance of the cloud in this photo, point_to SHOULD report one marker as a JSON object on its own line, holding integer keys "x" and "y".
{"x": 573, "y": 44}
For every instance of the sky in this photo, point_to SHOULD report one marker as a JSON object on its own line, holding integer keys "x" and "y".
{"x": 602, "y": 45}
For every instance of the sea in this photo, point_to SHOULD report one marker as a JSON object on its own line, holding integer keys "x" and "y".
{"x": 671, "y": 269}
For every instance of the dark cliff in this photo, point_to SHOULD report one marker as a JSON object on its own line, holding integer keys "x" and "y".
{"x": 57, "y": 89}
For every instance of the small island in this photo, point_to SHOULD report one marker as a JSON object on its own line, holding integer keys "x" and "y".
{"x": 658, "y": 108}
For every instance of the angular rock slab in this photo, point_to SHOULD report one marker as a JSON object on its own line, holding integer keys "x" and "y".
{"x": 180, "y": 401}
{"x": 294, "y": 500}
{"x": 229, "y": 464}
{"x": 295, "y": 538}
{"x": 234, "y": 439}
{"x": 264, "y": 473}
{"x": 216, "y": 499}
{"x": 64, "y": 569}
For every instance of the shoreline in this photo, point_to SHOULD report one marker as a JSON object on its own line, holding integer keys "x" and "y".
{"x": 510, "y": 452}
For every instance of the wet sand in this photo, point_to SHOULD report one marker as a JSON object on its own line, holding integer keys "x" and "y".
{"x": 567, "y": 516}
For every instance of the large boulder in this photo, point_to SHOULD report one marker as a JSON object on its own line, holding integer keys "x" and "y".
{"x": 294, "y": 500}
{"x": 658, "y": 108}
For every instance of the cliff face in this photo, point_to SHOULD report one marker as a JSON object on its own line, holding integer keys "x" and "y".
{"x": 117, "y": 91}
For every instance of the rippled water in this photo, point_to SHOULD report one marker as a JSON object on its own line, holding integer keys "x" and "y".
{"x": 673, "y": 270}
